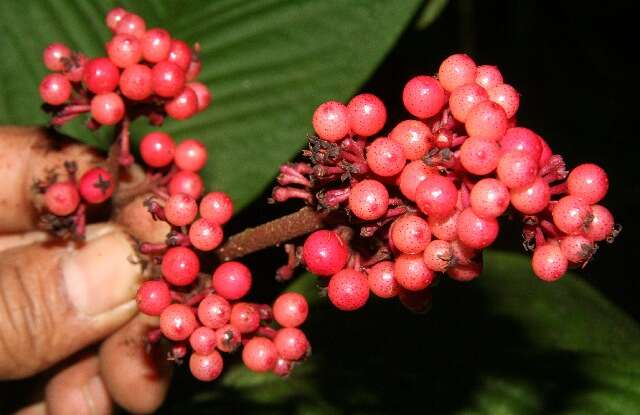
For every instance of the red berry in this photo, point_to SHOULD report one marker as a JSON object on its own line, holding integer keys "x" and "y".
{"x": 114, "y": 17}
{"x": 291, "y": 343}
{"x": 437, "y": 196}
{"x": 324, "y": 253}
{"x": 410, "y": 234}
{"x": 385, "y": 157}
{"x": 153, "y": 297}
{"x": 531, "y": 199}
{"x": 74, "y": 69}
{"x": 412, "y": 175}
{"x": 601, "y": 225}
{"x": 486, "y": 119}
{"x": 62, "y": 198}
{"x": 415, "y": 138}
{"x": 444, "y": 227}
{"x": 157, "y": 149}
{"x": 476, "y": 232}
{"x": 546, "y": 153}
{"x": 290, "y": 309}
{"x": 232, "y": 280}
{"x": 55, "y": 55}
{"x": 260, "y": 355}
{"x": 186, "y": 182}
{"x": 479, "y": 155}
{"x": 465, "y": 97}
{"x": 136, "y": 82}
{"x": 588, "y": 182}
{"x": 549, "y": 263}
{"x": 180, "y": 209}
{"x": 156, "y": 44}
{"x": 203, "y": 340}
{"x": 348, "y": 290}
{"x": 245, "y": 317}
{"x": 507, "y": 97}
{"x": 131, "y": 24}
{"x": 438, "y": 255}
{"x": 331, "y": 121}
{"x": 369, "y": 199}
{"x": 228, "y": 338}
{"x": 96, "y": 185}
{"x": 168, "y": 79}
{"x": 55, "y": 89}
{"x": 489, "y": 198}
{"x": 206, "y": 367}
{"x": 367, "y": 114}
{"x": 577, "y": 248}
{"x": 462, "y": 253}
{"x": 191, "y": 155}
{"x": 195, "y": 66}
{"x": 183, "y": 105}
{"x": 283, "y": 367}
{"x": 180, "y": 266}
{"x": 488, "y": 76}
{"x": 180, "y": 54}
{"x": 464, "y": 272}
{"x": 101, "y": 75}
{"x": 423, "y": 96}
{"x": 124, "y": 50}
{"x": 202, "y": 93}
{"x": 457, "y": 70}
{"x": 107, "y": 109}
{"x": 523, "y": 140}
{"x": 205, "y": 234}
{"x": 214, "y": 311}
{"x": 177, "y": 322}
{"x": 517, "y": 170}
{"x": 217, "y": 207}
{"x": 411, "y": 272}
{"x": 571, "y": 215}
{"x": 381, "y": 280}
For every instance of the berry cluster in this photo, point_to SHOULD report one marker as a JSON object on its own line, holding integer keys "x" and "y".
{"x": 425, "y": 198}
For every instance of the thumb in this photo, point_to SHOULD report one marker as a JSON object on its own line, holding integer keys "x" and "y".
{"x": 56, "y": 298}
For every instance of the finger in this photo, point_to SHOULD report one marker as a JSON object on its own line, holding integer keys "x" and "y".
{"x": 56, "y": 298}
{"x": 28, "y": 154}
{"x": 127, "y": 368}
{"x": 79, "y": 390}
{"x": 139, "y": 223}
{"x": 39, "y": 408}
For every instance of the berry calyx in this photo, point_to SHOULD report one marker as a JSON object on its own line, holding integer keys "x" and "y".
{"x": 96, "y": 185}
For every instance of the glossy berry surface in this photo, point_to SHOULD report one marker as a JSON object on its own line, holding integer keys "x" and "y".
{"x": 413, "y": 174}
{"x": 124, "y": 50}
{"x": 217, "y": 207}
{"x": 62, "y": 198}
{"x": 324, "y": 253}
{"x": 479, "y": 155}
{"x": 232, "y": 280}
{"x": 107, "y": 109}
{"x": 517, "y": 170}
{"x": 331, "y": 121}
{"x": 444, "y": 227}
{"x": 206, "y": 367}
{"x": 191, "y": 155}
{"x": 180, "y": 209}
{"x": 488, "y": 76}
{"x": 177, "y": 322}
{"x": 157, "y": 149}
{"x": 156, "y": 44}
{"x": 260, "y": 355}
{"x": 369, "y": 199}
{"x": 476, "y": 232}
{"x": 601, "y": 225}
{"x": 101, "y": 75}
{"x": 182, "y": 106}
{"x": 214, "y": 311}
{"x": 571, "y": 215}
{"x": 533, "y": 198}
{"x": 153, "y": 297}
{"x": 203, "y": 340}
{"x": 549, "y": 263}
{"x": 291, "y": 343}
{"x": 385, "y": 157}
{"x": 290, "y": 309}
{"x": 489, "y": 198}
{"x": 411, "y": 272}
{"x": 228, "y": 338}
{"x": 168, "y": 79}
{"x": 588, "y": 182}
{"x": 457, "y": 70}
{"x": 486, "y": 119}
{"x": 367, "y": 114}
{"x": 507, "y": 97}
{"x": 136, "y": 82}
{"x": 205, "y": 234}
{"x": 54, "y": 56}
{"x": 96, "y": 185}
{"x": 186, "y": 182}
{"x": 180, "y": 266}
{"x": 414, "y": 136}
{"x": 245, "y": 317}
{"x": 465, "y": 97}
{"x": 423, "y": 96}
{"x": 55, "y": 89}
{"x": 381, "y": 280}
{"x": 438, "y": 255}
{"x": 410, "y": 234}
{"x": 436, "y": 196}
{"x": 348, "y": 290}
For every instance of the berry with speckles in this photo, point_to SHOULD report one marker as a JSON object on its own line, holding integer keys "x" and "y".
{"x": 180, "y": 266}
{"x": 216, "y": 206}
{"x": 411, "y": 272}
{"x": 136, "y": 82}
{"x": 488, "y": 76}
{"x": 367, "y": 114}
{"x": 601, "y": 225}
{"x": 486, "y": 119}
{"x": 331, "y": 121}
{"x": 523, "y": 140}
{"x": 168, "y": 79}
{"x": 245, "y": 317}
{"x": 291, "y": 343}
{"x": 465, "y": 97}
{"x": 182, "y": 106}
{"x": 177, "y": 322}
{"x": 423, "y": 96}
{"x": 228, "y": 338}
{"x": 180, "y": 209}
{"x": 489, "y": 198}
{"x": 55, "y": 89}
{"x": 533, "y": 198}
{"x": 186, "y": 182}
{"x": 260, "y": 355}
{"x": 412, "y": 175}
{"x": 465, "y": 272}
{"x": 479, "y": 155}
{"x": 457, "y": 70}
{"x": 381, "y": 280}
{"x": 62, "y": 198}
{"x": 290, "y": 309}
{"x": 549, "y": 263}
{"x": 348, "y": 290}
{"x": 191, "y": 155}
{"x": 157, "y": 149}
{"x": 214, "y": 311}
{"x": 153, "y": 297}
{"x": 369, "y": 199}
{"x": 572, "y": 215}
{"x": 517, "y": 170}
{"x": 507, "y": 97}
{"x": 101, "y": 75}
{"x": 588, "y": 182}
{"x": 414, "y": 136}
{"x": 444, "y": 227}
{"x": 410, "y": 234}
{"x": 436, "y": 196}
{"x": 577, "y": 248}
{"x": 324, "y": 253}
{"x": 476, "y": 232}
{"x": 203, "y": 340}
{"x": 205, "y": 234}
{"x": 206, "y": 367}
{"x": 232, "y": 280}
{"x": 385, "y": 157}
{"x": 438, "y": 255}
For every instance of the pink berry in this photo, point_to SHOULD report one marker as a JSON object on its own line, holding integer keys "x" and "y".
{"x": 423, "y": 96}
{"x": 546, "y": 152}
{"x": 415, "y": 138}
{"x": 331, "y": 121}
{"x": 62, "y": 198}
{"x": 283, "y": 367}
{"x": 411, "y": 272}
{"x": 131, "y": 24}
{"x": 203, "y": 340}
{"x": 107, "y": 109}
{"x": 437, "y": 196}
{"x": 410, "y": 234}
{"x": 369, "y": 200}
{"x": 214, "y": 311}
{"x": 245, "y": 317}
{"x": 479, "y": 155}
{"x": 476, "y": 232}
{"x": 205, "y": 234}
{"x": 202, "y": 93}
{"x": 180, "y": 209}
{"x": 589, "y": 182}
{"x": 217, "y": 207}
{"x": 195, "y": 66}
{"x": 571, "y": 215}
{"x": 114, "y": 17}
{"x": 465, "y": 97}
{"x": 385, "y": 157}
{"x": 228, "y": 338}
{"x": 324, "y": 253}
{"x": 488, "y": 76}
{"x": 412, "y": 175}
{"x": 156, "y": 44}
{"x": 486, "y": 119}
{"x": 291, "y": 343}
{"x": 153, "y": 297}
{"x": 517, "y": 170}
{"x": 124, "y": 50}
{"x": 168, "y": 79}
{"x": 464, "y": 273}
{"x": 444, "y": 227}
{"x": 601, "y": 225}
{"x": 523, "y": 140}
{"x": 489, "y": 198}
{"x": 531, "y": 199}
{"x": 157, "y": 149}
{"x": 290, "y": 309}
{"x": 457, "y": 70}
{"x": 191, "y": 155}
{"x": 260, "y": 355}
{"x": 182, "y": 106}
{"x": 549, "y": 263}
{"x": 74, "y": 70}
{"x": 96, "y": 185}
{"x": 55, "y": 55}
{"x": 177, "y": 322}
{"x": 232, "y": 280}
{"x": 180, "y": 266}
{"x": 101, "y": 75}
{"x": 507, "y": 97}
{"x": 577, "y": 248}
{"x": 463, "y": 254}
{"x": 136, "y": 82}
{"x": 206, "y": 367}
{"x": 348, "y": 290}
{"x": 180, "y": 54}
{"x": 438, "y": 255}
{"x": 55, "y": 89}
{"x": 381, "y": 280}
{"x": 367, "y": 114}
{"x": 186, "y": 182}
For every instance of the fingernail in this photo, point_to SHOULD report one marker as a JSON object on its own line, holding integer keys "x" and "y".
{"x": 100, "y": 275}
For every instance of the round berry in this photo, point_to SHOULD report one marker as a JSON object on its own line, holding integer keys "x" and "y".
{"x": 571, "y": 215}
{"x": 153, "y": 297}
{"x": 479, "y": 155}
{"x": 74, "y": 68}
{"x": 177, "y": 322}
{"x": 601, "y": 225}
{"x": 205, "y": 234}
{"x": 331, "y": 121}
{"x": 462, "y": 253}
{"x": 157, "y": 149}
{"x": 489, "y": 198}
{"x": 186, "y": 182}
{"x": 202, "y": 93}
{"x": 232, "y": 280}
{"x": 260, "y": 355}
{"x": 381, "y": 280}
{"x": 206, "y": 367}
{"x": 410, "y": 234}
{"x": 546, "y": 152}
{"x": 156, "y": 44}
{"x": 228, "y": 338}
{"x": 180, "y": 266}
{"x": 437, "y": 196}
{"x": 465, "y": 97}
{"x": 96, "y": 185}
{"x": 114, "y": 17}
{"x": 523, "y": 140}
{"x": 385, "y": 157}
{"x": 107, "y": 109}
{"x": 415, "y": 138}
{"x": 369, "y": 200}
{"x": 476, "y": 232}
{"x": 124, "y": 50}
{"x": 438, "y": 255}
{"x": 348, "y": 290}
{"x": 589, "y": 182}
{"x": 423, "y": 96}
{"x": 131, "y": 24}
{"x": 180, "y": 209}
{"x": 367, "y": 114}
{"x": 136, "y": 82}
{"x": 168, "y": 79}
{"x": 444, "y": 227}
{"x": 488, "y": 76}
{"x": 191, "y": 155}
{"x": 290, "y": 309}
{"x": 291, "y": 343}
{"x": 412, "y": 175}
{"x": 55, "y": 55}
{"x": 486, "y": 119}
{"x": 517, "y": 170}
{"x": 101, "y": 75}
{"x": 217, "y": 207}
{"x": 464, "y": 272}
{"x": 182, "y": 106}
{"x": 577, "y": 248}
{"x": 203, "y": 340}
{"x": 457, "y": 70}
{"x": 283, "y": 367}
{"x": 549, "y": 263}
{"x": 180, "y": 54}
{"x": 55, "y": 89}
{"x": 62, "y": 198}
{"x": 214, "y": 311}
{"x": 531, "y": 199}
{"x": 507, "y": 97}
{"x": 324, "y": 253}
{"x": 245, "y": 317}
{"x": 411, "y": 272}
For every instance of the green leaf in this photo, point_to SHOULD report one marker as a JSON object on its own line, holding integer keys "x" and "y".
{"x": 269, "y": 64}
{"x": 506, "y": 343}
{"x": 430, "y": 13}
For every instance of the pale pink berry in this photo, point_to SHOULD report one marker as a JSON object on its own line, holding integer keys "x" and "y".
{"x": 476, "y": 232}
{"x": 488, "y": 76}
{"x": 457, "y": 70}
{"x": 367, "y": 114}
{"x": 522, "y": 140}
{"x": 533, "y": 198}
{"x": 601, "y": 225}
{"x": 411, "y": 272}
{"x": 517, "y": 170}
{"x": 423, "y": 96}
{"x": 486, "y": 119}
{"x": 385, "y": 157}
{"x": 410, "y": 234}
{"x": 412, "y": 175}
{"x": 465, "y": 97}
{"x": 331, "y": 121}
{"x": 507, "y": 97}
{"x": 348, "y": 290}
{"x": 381, "y": 280}
{"x": 436, "y": 196}
{"x": 444, "y": 227}
{"x": 415, "y": 138}
{"x": 369, "y": 199}
{"x": 479, "y": 155}
{"x": 577, "y": 248}
{"x": 572, "y": 215}
{"x": 589, "y": 182}
{"x": 438, "y": 255}
{"x": 549, "y": 263}
{"x": 489, "y": 198}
